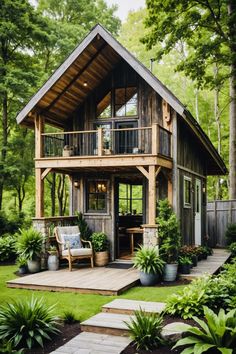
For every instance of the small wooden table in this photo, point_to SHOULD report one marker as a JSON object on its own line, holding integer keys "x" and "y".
{"x": 133, "y": 231}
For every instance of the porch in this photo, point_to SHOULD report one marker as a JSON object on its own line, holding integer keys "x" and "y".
{"x": 98, "y": 280}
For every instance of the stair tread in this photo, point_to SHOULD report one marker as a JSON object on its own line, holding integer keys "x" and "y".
{"x": 133, "y": 305}
{"x": 108, "y": 320}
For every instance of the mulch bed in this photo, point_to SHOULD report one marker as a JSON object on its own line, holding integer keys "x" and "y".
{"x": 68, "y": 331}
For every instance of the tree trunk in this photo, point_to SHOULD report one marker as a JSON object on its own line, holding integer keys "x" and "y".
{"x": 4, "y": 143}
{"x": 218, "y": 124}
{"x": 232, "y": 108}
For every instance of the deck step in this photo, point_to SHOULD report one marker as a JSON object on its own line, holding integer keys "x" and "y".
{"x": 127, "y": 307}
{"x": 90, "y": 343}
{"x": 107, "y": 323}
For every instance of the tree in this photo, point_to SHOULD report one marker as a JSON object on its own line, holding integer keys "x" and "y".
{"x": 208, "y": 27}
{"x": 21, "y": 27}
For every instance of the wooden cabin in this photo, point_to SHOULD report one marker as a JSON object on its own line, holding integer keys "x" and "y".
{"x": 125, "y": 141}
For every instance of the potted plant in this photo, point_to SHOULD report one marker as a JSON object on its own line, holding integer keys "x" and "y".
{"x": 100, "y": 247}
{"x": 29, "y": 245}
{"x": 21, "y": 262}
{"x": 185, "y": 263}
{"x": 169, "y": 239}
{"x": 150, "y": 265}
{"x": 53, "y": 261}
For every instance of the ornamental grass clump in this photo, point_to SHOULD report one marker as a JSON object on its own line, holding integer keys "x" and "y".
{"x": 27, "y": 323}
{"x": 145, "y": 330}
{"x": 148, "y": 261}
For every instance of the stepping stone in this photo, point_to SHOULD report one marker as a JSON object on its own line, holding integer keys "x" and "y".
{"x": 172, "y": 332}
{"x": 90, "y": 343}
{"x": 107, "y": 323}
{"x": 124, "y": 306}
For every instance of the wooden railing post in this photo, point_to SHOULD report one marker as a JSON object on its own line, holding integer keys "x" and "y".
{"x": 39, "y": 182}
{"x": 100, "y": 142}
{"x": 39, "y": 130}
{"x": 155, "y": 139}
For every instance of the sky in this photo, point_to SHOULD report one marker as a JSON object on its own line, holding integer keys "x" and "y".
{"x": 124, "y": 6}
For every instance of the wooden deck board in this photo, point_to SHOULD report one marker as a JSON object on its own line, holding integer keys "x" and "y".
{"x": 128, "y": 307}
{"x": 98, "y": 280}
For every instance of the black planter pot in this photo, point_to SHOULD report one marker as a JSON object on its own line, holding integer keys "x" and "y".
{"x": 185, "y": 268}
{"x": 148, "y": 279}
{"x": 194, "y": 260}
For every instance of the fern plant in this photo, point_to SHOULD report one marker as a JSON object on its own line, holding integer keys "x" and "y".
{"x": 30, "y": 243}
{"x": 28, "y": 323}
{"x": 217, "y": 334}
{"x": 145, "y": 329}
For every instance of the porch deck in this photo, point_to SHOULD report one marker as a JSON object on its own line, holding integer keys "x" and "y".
{"x": 98, "y": 280}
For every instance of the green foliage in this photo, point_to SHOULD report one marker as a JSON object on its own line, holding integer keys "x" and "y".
{"x": 232, "y": 249}
{"x": 7, "y": 248}
{"x": 27, "y": 323}
{"x": 99, "y": 241}
{"x": 182, "y": 260}
{"x": 168, "y": 232}
{"x": 21, "y": 261}
{"x": 145, "y": 329}
{"x": 217, "y": 333}
{"x": 148, "y": 261}
{"x": 189, "y": 301}
{"x": 69, "y": 317}
{"x": 10, "y": 225}
{"x": 230, "y": 233}
{"x": 213, "y": 291}
{"x": 30, "y": 243}
{"x": 86, "y": 232}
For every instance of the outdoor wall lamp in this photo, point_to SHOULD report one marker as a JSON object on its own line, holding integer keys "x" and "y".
{"x": 76, "y": 184}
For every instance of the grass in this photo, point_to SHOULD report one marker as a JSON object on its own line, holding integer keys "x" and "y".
{"x": 82, "y": 305}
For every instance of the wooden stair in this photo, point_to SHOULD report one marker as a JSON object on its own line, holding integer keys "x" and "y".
{"x": 128, "y": 307}
{"x": 114, "y": 315}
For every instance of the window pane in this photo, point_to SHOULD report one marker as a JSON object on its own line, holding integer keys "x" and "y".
{"x": 96, "y": 195}
{"x": 187, "y": 191}
{"x": 92, "y": 202}
{"x": 104, "y": 107}
{"x": 101, "y": 202}
{"x": 126, "y": 101}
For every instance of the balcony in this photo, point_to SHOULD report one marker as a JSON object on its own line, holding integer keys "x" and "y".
{"x": 108, "y": 146}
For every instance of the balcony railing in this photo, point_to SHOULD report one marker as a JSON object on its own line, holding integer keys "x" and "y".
{"x": 145, "y": 140}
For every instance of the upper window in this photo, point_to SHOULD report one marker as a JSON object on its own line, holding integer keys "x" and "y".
{"x": 97, "y": 196}
{"x": 126, "y": 101}
{"x": 104, "y": 107}
{"x": 187, "y": 191}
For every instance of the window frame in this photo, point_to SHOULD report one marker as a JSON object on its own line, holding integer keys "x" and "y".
{"x": 87, "y": 193}
{"x": 186, "y": 203}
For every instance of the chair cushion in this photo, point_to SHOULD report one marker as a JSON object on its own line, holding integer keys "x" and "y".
{"x": 73, "y": 240}
{"x": 78, "y": 252}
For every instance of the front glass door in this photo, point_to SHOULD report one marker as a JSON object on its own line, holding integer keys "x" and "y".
{"x": 198, "y": 211}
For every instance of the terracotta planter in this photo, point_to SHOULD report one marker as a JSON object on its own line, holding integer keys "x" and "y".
{"x": 101, "y": 258}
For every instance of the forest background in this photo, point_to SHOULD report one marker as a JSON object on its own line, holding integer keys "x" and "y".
{"x": 34, "y": 40}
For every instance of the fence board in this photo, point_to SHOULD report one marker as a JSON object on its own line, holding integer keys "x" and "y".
{"x": 220, "y": 213}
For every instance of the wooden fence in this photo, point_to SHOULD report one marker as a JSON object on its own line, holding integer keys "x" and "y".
{"x": 220, "y": 213}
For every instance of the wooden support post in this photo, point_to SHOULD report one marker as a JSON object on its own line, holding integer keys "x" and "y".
{"x": 152, "y": 195}
{"x": 143, "y": 171}
{"x": 39, "y": 129}
{"x": 100, "y": 142}
{"x": 39, "y": 195}
{"x": 155, "y": 139}
{"x": 170, "y": 192}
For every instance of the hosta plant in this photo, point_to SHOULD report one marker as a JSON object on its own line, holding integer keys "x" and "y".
{"x": 145, "y": 330}
{"x": 27, "y": 323}
{"x": 216, "y": 335}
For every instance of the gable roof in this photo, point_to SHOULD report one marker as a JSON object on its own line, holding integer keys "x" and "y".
{"x": 92, "y": 60}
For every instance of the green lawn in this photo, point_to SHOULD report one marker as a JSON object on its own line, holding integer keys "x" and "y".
{"x": 83, "y": 305}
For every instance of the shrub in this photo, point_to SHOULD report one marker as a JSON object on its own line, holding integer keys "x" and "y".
{"x": 28, "y": 323}
{"x": 184, "y": 260}
{"x": 7, "y": 248}
{"x": 145, "y": 329}
{"x": 99, "y": 242}
{"x": 11, "y": 225}
{"x": 148, "y": 261}
{"x": 189, "y": 301}
{"x": 217, "y": 333}
{"x": 21, "y": 261}
{"x": 85, "y": 231}
{"x": 230, "y": 233}
{"x": 69, "y": 317}
{"x": 30, "y": 243}
{"x": 232, "y": 249}
{"x": 168, "y": 232}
